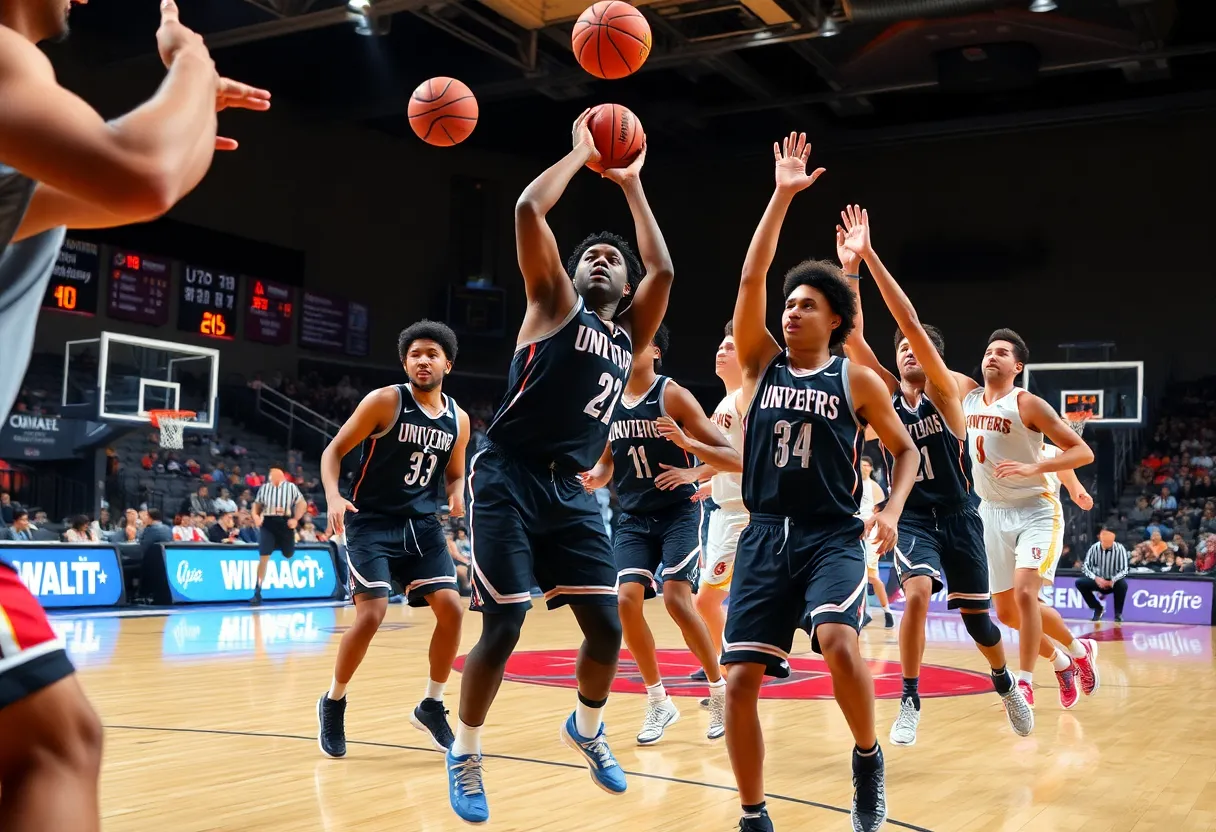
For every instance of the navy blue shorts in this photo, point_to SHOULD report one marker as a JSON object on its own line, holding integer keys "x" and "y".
{"x": 531, "y": 526}
{"x": 412, "y": 551}
{"x": 275, "y": 535}
{"x": 790, "y": 576}
{"x": 949, "y": 544}
{"x": 664, "y": 545}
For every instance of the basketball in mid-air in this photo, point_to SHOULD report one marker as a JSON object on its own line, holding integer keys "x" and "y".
{"x": 443, "y": 111}
{"x": 618, "y": 136}
{"x": 611, "y": 39}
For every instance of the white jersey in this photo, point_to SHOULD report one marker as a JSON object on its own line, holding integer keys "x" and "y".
{"x": 996, "y": 434}
{"x": 871, "y": 492}
{"x": 1053, "y": 479}
{"x": 727, "y": 489}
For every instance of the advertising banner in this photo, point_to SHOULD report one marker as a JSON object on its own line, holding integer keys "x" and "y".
{"x": 211, "y": 634}
{"x": 68, "y": 575}
{"x": 1149, "y": 600}
{"x": 227, "y": 573}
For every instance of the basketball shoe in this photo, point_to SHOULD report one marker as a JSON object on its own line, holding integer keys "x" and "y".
{"x": 869, "y": 791}
{"x": 903, "y": 731}
{"x": 658, "y": 716}
{"x": 1087, "y": 668}
{"x": 606, "y": 772}
{"x": 331, "y": 726}
{"x": 431, "y": 719}
{"x": 466, "y": 791}
{"x": 1067, "y": 679}
{"x": 756, "y": 823}
{"x": 1027, "y": 690}
{"x": 1021, "y": 715}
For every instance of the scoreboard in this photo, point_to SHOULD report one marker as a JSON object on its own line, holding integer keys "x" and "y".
{"x": 139, "y": 289}
{"x": 208, "y": 302}
{"x": 74, "y": 281}
{"x": 269, "y": 313}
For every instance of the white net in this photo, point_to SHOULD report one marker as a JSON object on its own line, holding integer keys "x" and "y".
{"x": 172, "y": 427}
{"x": 1078, "y": 421}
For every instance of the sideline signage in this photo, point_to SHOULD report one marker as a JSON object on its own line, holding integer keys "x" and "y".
{"x": 67, "y": 574}
{"x": 228, "y": 573}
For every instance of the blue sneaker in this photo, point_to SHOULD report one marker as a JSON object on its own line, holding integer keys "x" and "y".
{"x": 465, "y": 788}
{"x": 605, "y": 770}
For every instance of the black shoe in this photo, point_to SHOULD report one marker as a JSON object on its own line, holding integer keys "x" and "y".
{"x": 699, "y": 675}
{"x": 888, "y": 621}
{"x": 760, "y": 823}
{"x": 331, "y": 726}
{"x": 1118, "y": 619}
{"x": 256, "y": 600}
{"x": 865, "y": 622}
{"x": 430, "y": 718}
{"x": 869, "y": 793}
{"x": 1097, "y": 615}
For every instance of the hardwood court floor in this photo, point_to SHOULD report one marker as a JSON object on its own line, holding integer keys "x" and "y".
{"x": 210, "y": 725}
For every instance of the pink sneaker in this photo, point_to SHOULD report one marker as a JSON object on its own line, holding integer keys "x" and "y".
{"x": 1068, "y": 686}
{"x": 1087, "y": 668}
{"x": 1027, "y": 691}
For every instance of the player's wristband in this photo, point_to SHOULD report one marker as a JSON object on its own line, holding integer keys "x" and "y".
{"x": 853, "y": 276}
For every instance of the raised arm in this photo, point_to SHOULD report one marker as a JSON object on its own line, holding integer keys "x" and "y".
{"x": 754, "y": 344}
{"x": 454, "y": 474}
{"x": 873, "y": 404}
{"x": 547, "y": 285}
{"x": 1038, "y": 415}
{"x": 941, "y": 387}
{"x": 688, "y": 427}
{"x": 375, "y": 413}
{"x": 856, "y": 347}
{"x": 649, "y": 306}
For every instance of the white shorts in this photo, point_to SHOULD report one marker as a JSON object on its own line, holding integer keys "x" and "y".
{"x": 1028, "y": 536}
{"x": 725, "y": 526}
{"x": 871, "y": 544}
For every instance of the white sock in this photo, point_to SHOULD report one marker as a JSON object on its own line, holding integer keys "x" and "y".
{"x": 434, "y": 690}
{"x": 654, "y": 694}
{"x": 718, "y": 688}
{"x": 337, "y": 689}
{"x": 886, "y": 607}
{"x": 1060, "y": 661}
{"x": 1026, "y": 676}
{"x": 1077, "y": 649}
{"x": 468, "y": 740}
{"x": 587, "y": 720}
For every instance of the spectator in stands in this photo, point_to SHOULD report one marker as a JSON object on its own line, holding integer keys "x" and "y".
{"x": 249, "y": 530}
{"x": 201, "y": 502}
{"x": 1165, "y": 501}
{"x": 151, "y": 573}
{"x": 218, "y": 474}
{"x": 40, "y": 519}
{"x": 1205, "y": 554}
{"x": 224, "y": 502}
{"x": 21, "y": 529}
{"x": 1157, "y": 527}
{"x": 193, "y": 468}
{"x": 185, "y": 531}
{"x": 7, "y": 508}
{"x": 172, "y": 465}
{"x": 308, "y": 531}
{"x": 79, "y": 531}
{"x": 1204, "y": 489}
{"x": 223, "y": 530}
{"x": 254, "y": 480}
{"x": 127, "y": 531}
{"x": 245, "y": 500}
{"x": 1106, "y": 567}
{"x": 1141, "y": 514}
{"x": 102, "y": 527}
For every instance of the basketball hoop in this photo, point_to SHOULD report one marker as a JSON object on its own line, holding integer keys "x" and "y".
{"x": 172, "y": 425}
{"x": 1077, "y": 420}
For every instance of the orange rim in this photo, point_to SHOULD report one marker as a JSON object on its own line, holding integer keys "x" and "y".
{"x": 154, "y": 416}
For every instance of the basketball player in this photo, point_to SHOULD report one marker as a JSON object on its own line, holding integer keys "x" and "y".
{"x": 659, "y": 426}
{"x": 873, "y": 495}
{"x": 801, "y": 561}
{"x": 940, "y": 531}
{"x": 414, "y": 439}
{"x": 1023, "y": 518}
{"x": 62, "y": 165}
{"x": 531, "y": 519}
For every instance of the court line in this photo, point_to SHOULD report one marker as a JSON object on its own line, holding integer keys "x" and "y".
{"x": 786, "y": 798}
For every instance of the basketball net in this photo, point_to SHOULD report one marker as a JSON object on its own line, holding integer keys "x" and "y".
{"x": 172, "y": 426}
{"x": 1078, "y": 420}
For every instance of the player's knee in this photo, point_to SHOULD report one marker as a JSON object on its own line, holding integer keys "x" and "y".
{"x": 677, "y": 599}
{"x": 630, "y": 599}
{"x": 743, "y": 681}
{"x": 836, "y": 641}
{"x": 448, "y": 609}
{"x": 499, "y": 634}
{"x": 370, "y": 614}
{"x": 981, "y": 629}
{"x": 601, "y": 627}
{"x": 1026, "y": 595}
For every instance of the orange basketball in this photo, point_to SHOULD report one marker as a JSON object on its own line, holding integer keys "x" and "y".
{"x": 611, "y": 39}
{"x": 443, "y": 111}
{"x": 617, "y": 134}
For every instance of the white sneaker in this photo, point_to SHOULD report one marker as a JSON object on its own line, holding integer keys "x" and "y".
{"x": 1021, "y": 715}
{"x": 658, "y": 716}
{"x": 903, "y": 732}
{"x": 717, "y": 714}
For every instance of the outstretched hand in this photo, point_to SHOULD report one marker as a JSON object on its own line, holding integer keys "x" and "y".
{"x": 622, "y": 175}
{"x": 791, "y": 155}
{"x": 855, "y": 235}
{"x": 581, "y": 134}
{"x": 850, "y": 261}
{"x": 235, "y": 95}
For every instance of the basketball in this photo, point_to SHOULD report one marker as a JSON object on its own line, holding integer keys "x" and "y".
{"x": 443, "y": 111}
{"x": 611, "y": 39}
{"x": 617, "y": 134}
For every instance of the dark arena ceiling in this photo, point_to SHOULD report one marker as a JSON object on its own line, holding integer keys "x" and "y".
{"x": 722, "y": 72}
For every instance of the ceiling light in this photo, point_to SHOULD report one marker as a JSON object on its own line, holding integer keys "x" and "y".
{"x": 367, "y": 22}
{"x": 1043, "y": 5}
{"x": 829, "y": 29}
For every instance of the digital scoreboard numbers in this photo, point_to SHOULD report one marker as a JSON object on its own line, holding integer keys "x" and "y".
{"x": 139, "y": 289}
{"x": 269, "y": 313}
{"x": 207, "y": 304}
{"x": 74, "y": 281}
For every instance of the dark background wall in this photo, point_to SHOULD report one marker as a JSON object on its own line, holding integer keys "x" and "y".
{"x": 1099, "y": 231}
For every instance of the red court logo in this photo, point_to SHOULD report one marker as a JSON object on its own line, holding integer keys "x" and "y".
{"x": 809, "y": 676}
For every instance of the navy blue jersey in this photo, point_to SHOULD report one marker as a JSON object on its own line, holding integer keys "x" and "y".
{"x": 944, "y": 477}
{"x": 802, "y": 443}
{"x": 402, "y": 470}
{"x": 639, "y": 453}
{"x": 561, "y": 392}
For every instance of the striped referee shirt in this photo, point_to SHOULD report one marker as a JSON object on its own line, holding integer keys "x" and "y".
{"x": 279, "y": 500}
{"x": 1109, "y": 564}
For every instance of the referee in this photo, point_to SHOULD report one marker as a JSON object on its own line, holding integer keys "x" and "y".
{"x": 1106, "y": 567}
{"x": 276, "y": 512}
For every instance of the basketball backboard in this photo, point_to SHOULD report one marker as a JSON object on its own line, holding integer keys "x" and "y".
{"x": 1111, "y": 391}
{"x": 127, "y": 376}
